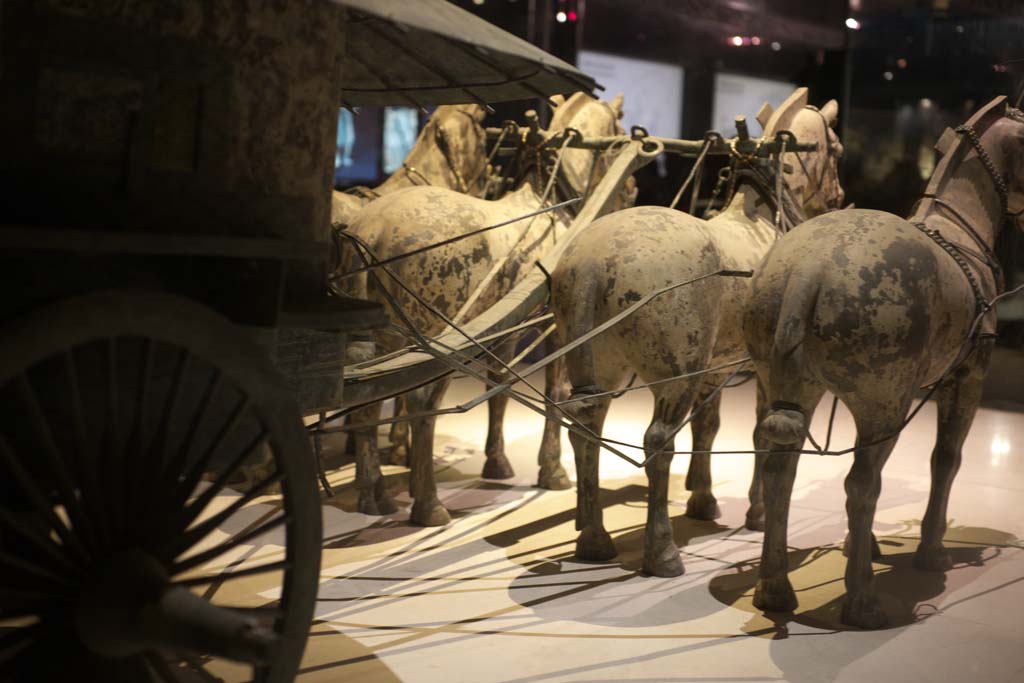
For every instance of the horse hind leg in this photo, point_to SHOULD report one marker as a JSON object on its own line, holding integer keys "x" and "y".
{"x": 774, "y": 592}
{"x": 400, "y": 436}
{"x": 497, "y": 465}
{"x": 878, "y": 422}
{"x": 958, "y": 400}
{"x": 755, "y": 513}
{"x": 594, "y": 543}
{"x": 661, "y": 555}
{"x": 551, "y": 474}
{"x": 427, "y": 509}
{"x": 374, "y": 498}
{"x": 704, "y": 427}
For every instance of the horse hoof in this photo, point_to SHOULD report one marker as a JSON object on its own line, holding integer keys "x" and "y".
{"x": 368, "y": 505}
{"x": 703, "y": 506}
{"x": 385, "y": 503}
{"x": 754, "y": 522}
{"x": 775, "y": 595}
{"x": 429, "y": 513}
{"x": 554, "y": 480}
{"x": 498, "y": 467}
{"x": 399, "y": 455}
{"x": 932, "y": 558}
{"x": 595, "y": 545}
{"x": 863, "y": 612}
{"x": 876, "y": 550}
{"x": 665, "y": 563}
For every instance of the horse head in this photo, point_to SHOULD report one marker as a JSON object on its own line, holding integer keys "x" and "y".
{"x": 813, "y": 177}
{"x": 592, "y": 118}
{"x": 455, "y": 139}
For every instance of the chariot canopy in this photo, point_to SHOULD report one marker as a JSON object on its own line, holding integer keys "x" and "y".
{"x": 431, "y": 52}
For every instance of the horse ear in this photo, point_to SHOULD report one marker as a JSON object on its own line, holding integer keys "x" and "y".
{"x": 556, "y": 101}
{"x": 831, "y": 112}
{"x": 782, "y": 118}
{"x": 763, "y": 114}
{"x": 616, "y": 105}
{"x": 478, "y": 113}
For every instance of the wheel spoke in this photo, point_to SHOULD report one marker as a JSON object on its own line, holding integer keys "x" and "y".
{"x": 85, "y": 457}
{"x": 170, "y": 408}
{"x": 233, "y": 542}
{"x": 15, "y": 642}
{"x": 229, "y": 575}
{"x": 38, "y": 540}
{"x": 37, "y": 499}
{"x": 195, "y": 473}
{"x": 197, "y": 506}
{"x": 195, "y": 534}
{"x": 169, "y": 479}
{"x": 56, "y": 462}
{"x": 26, "y": 568}
{"x": 134, "y": 448}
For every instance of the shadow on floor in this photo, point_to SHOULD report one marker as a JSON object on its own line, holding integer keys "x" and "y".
{"x": 905, "y": 592}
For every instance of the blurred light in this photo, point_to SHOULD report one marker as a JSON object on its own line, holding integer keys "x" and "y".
{"x": 572, "y": 15}
{"x": 901, "y": 63}
{"x": 561, "y": 17}
{"x": 776, "y": 46}
{"x": 852, "y": 23}
{"x": 855, "y": 5}
{"x": 959, "y": 28}
{"x": 925, "y": 103}
{"x": 999, "y": 67}
{"x": 1000, "y": 445}
{"x": 887, "y": 75}
{"x": 756, "y": 40}
{"x": 736, "y": 40}
{"x": 478, "y": 2}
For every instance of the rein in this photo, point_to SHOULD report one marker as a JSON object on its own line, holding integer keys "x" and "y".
{"x": 986, "y": 254}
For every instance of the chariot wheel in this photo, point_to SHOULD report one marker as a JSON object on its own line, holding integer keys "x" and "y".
{"x": 119, "y": 559}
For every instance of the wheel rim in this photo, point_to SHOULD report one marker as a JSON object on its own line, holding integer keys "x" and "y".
{"x": 114, "y": 553}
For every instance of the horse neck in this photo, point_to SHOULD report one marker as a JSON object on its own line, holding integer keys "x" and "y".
{"x": 968, "y": 188}
{"x": 748, "y": 207}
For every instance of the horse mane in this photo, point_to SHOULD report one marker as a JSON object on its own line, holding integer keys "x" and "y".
{"x": 953, "y": 147}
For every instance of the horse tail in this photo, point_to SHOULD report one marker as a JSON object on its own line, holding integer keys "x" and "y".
{"x": 786, "y": 423}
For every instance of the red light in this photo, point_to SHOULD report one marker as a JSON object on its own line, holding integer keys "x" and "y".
{"x": 572, "y": 15}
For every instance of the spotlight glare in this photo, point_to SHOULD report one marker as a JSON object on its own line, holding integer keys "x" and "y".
{"x": 756, "y": 40}
{"x": 852, "y": 24}
{"x": 887, "y": 75}
{"x": 560, "y": 17}
{"x": 776, "y": 46}
{"x": 736, "y": 40}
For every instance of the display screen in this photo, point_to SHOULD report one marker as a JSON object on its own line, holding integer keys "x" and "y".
{"x": 357, "y": 156}
{"x": 737, "y": 95}
{"x": 653, "y": 90}
{"x": 401, "y": 126}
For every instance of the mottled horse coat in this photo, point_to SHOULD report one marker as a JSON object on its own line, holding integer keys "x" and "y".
{"x": 629, "y": 254}
{"x": 866, "y": 305}
{"x": 446, "y": 277}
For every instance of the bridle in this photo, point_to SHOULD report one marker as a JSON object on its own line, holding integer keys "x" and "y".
{"x": 448, "y": 154}
{"x": 831, "y": 203}
{"x": 984, "y": 254}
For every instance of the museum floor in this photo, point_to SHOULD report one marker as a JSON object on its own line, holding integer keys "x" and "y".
{"x": 497, "y": 596}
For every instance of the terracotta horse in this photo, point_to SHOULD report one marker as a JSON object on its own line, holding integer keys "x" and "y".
{"x": 628, "y": 254}
{"x": 449, "y": 152}
{"x": 446, "y": 277}
{"x": 871, "y": 307}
